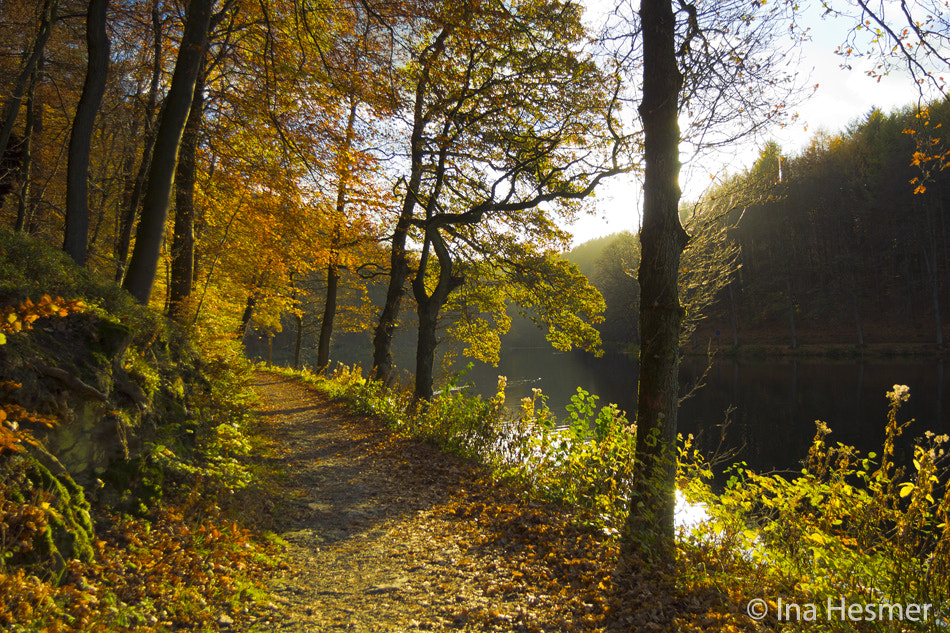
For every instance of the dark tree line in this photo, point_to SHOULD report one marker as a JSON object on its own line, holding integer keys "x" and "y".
{"x": 854, "y": 235}
{"x": 847, "y": 242}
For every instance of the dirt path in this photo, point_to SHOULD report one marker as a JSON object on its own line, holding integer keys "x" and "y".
{"x": 389, "y": 534}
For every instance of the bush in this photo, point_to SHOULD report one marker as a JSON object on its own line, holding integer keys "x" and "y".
{"x": 862, "y": 529}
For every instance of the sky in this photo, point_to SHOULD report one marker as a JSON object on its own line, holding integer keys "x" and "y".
{"x": 842, "y": 97}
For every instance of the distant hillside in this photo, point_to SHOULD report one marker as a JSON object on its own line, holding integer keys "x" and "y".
{"x": 585, "y": 255}
{"x": 847, "y": 242}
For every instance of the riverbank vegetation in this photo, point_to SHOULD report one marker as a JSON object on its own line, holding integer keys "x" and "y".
{"x": 848, "y": 528}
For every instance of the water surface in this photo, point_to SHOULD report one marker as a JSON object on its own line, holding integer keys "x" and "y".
{"x": 772, "y": 404}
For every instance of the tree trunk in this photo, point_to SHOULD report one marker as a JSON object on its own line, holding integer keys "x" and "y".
{"x": 138, "y": 185}
{"x": 428, "y": 307}
{"x": 11, "y": 108}
{"x": 399, "y": 264}
{"x": 649, "y": 529}
{"x": 298, "y": 343}
{"x": 35, "y": 213}
{"x": 246, "y": 317}
{"x": 183, "y": 236}
{"x": 386, "y": 328}
{"x": 329, "y": 312}
{"x": 76, "y": 234}
{"x": 151, "y": 229}
{"x": 24, "y": 205}
{"x": 333, "y": 270}
{"x": 425, "y": 349}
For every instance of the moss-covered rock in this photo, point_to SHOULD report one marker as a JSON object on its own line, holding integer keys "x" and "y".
{"x": 135, "y": 407}
{"x": 50, "y": 518}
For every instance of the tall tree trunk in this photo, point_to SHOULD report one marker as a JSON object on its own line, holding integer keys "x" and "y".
{"x": 425, "y": 349}
{"x": 298, "y": 320}
{"x": 298, "y": 343}
{"x": 398, "y": 259}
{"x": 333, "y": 270}
{"x": 329, "y": 313}
{"x": 649, "y": 529}
{"x": 137, "y": 187}
{"x": 11, "y": 108}
{"x": 34, "y": 213}
{"x": 428, "y": 307}
{"x": 183, "y": 236}
{"x": 76, "y": 234}
{"x": 386, "y": 328}
{"x": 151, "y": 229}
{"x": 26, "y": 155}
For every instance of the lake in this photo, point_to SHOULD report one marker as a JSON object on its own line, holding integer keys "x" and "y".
{"x": 774, "y": 403}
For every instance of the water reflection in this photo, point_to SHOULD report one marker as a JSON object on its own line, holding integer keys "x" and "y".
{"x": 773, "y": 404}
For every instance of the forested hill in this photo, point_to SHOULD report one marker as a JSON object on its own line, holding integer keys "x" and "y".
{"x": 847, "y": 242}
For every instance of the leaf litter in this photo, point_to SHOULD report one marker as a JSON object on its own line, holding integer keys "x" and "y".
{"x": 387, "y": 533}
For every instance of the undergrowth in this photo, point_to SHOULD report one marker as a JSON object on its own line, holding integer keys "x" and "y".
{"x": 848, "y": 530}
{"x": 165, "y": 555}
{"x": 155, "y": 541}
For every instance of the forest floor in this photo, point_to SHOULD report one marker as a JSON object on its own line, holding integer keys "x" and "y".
{"x": 386, "y": 533}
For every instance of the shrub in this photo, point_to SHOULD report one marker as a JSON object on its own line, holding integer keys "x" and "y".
{"x": 862, "y": 529}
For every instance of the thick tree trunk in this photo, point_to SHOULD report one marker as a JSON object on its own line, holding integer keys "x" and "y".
{"x": 75, "y": 238}
{"x": 649, "y": 530}
{"x": 386, "y": 328}
{"x": 151, "y": 229}
{"x": 425, "y": 350}
{"x": 428, "y": 307}
{"x": 137, "y": 186}
{"x": 11, "y": 108}
{"x": 329, "y": 313}
{"x": 399, "y": 263}
{"x": 183, "y": 236}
